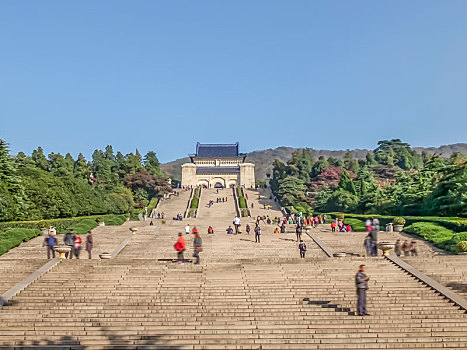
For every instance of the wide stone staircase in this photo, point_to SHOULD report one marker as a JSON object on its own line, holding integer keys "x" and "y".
{"x": 243, "y": 295}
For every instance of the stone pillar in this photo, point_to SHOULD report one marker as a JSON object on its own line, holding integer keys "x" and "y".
{"x": 247, "y": 175}
{"x": 189, "y": 175}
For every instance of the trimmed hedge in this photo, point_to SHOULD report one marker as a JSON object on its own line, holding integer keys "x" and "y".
{"x": 13, "y": 237}
{"x": 16, "y": 232}
{"x": 152, "y": 204}
{"x": 194, "y": 203}
{"x": 456, "y": 224}
{"x": 61, "y": 225}
{"x": 357, "y": 225}
{"x": 440, "y": 236}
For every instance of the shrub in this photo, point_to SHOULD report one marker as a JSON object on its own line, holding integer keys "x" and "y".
{"x": 398, "y": 221}
{"x": 241, "y": 202}
{"x": 83, "y": 226}
{"x": 461, "y": 247}
{"x": 194, "y": 202}
{"x": 245, "y": 212}
{"x": 357, "y": 225}
{"x": 114, "y": 220}
{"x": 14, "y": 237}
{"x": 152, "y": 204}
{"x": 340, "y": 216}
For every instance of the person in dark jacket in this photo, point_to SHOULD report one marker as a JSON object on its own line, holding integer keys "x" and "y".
{"x": 302, "y": 248}
{"x": 257, "y": 234}
{"x": 398, "y": 248}
{"x": 89, "y": 243}
{"x": 50, "y": 241}
{"x": 69, "y": 240}
{"x": 361, "y": 282}
{"x": 197, "y": 247}
{"x": 298, "y": 232}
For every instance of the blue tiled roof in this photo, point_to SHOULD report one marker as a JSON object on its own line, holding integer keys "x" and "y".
{"x": 217, "y": 150}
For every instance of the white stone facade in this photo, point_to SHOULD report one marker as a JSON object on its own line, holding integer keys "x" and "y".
{"x": 218, "y": 170}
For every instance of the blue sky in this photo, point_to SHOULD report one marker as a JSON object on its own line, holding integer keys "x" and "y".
{"x": 162, "y": 75}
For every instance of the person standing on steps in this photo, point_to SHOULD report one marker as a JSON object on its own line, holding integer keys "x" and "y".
{"x": 398, "y": 248}
{"x": 406, "y": 248}
{"x": 247, "y": 229}
{"x": 257, "y": 234}
{"x": 236, "y": 222}
{"x": 302, "y": 248}
{"x": 333, "y": 226}
{"x": 361, "y": 282}
{"x": 180, "y": 248}
{"x": 413, "y": 248}
{"x": 210, "y": 230}
{"x": 298, "y": 232}
{"x": 69, "y": 240}
{"x": 50, "y": 242}
{"x": 77, "y": 246}
{"x": 367, "y": 245}
{"x": 187, "y": 229}
{"x": 194, "y": 231}
{"x": 89, "y": 243}
{"x": 197, "y": 247}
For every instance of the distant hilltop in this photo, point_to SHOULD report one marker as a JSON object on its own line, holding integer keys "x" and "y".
{"x": 263, "y": 159}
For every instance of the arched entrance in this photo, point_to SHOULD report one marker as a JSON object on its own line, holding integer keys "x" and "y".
{"x": 218, "y": 185}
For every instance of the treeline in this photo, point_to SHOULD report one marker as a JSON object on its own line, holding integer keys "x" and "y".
{"x": 37, "y": 187}
{"x": 392, "y": 180}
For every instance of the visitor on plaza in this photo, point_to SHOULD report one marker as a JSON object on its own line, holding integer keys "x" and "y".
{"x": 333, "y": 226}
{"x": 257, "y": 234}
{"x": 187, "y": 229}
{"x": 197, "y": 247}
{"x": 406, "y": 248}
{"x": 268, "y": 220}
{"x": 77, "y": 246}
{"x": 368, "y": 225}
{"x": 69, "y": 240}
{"x": 413, "y": 248}
{"x": 361, "y": 282}
{"x": 180, "y": 246}
{"x": 348, "y": 228}
{"x": 210, "y": 230}
{"x": 367, "y": 245}
{"x": 325, "y": 218}
{"x": 398, "y": 248}
{"x": 283, "y": 228}
{"x": 298, "y": 232}
{"x": 195, "y": 230}
{"x": 276, "y": 230}
{"x": 302, "y": 248}
{"x": 50, "y": 242}
{"x": 229, "y": 230}
{"x": 247, "y": 229}
{"x": 236, "y": 222}
{"x": 89, "y": 243}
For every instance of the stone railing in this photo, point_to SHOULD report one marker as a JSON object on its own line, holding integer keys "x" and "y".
{"x": 234, "y": 189}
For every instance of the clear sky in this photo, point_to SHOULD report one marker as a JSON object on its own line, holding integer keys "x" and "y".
{"x": 162, "y": 75}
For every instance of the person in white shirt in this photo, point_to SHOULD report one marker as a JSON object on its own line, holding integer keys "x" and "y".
{"x": 187, "y": 229}
{"x": 236, "y": 222}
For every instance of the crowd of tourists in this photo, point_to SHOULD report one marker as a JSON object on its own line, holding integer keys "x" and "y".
{"x": 70, "y": 239}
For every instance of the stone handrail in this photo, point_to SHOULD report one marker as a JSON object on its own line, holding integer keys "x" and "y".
{"x": 234, "y": 189}
{"x": 189, "y": 203}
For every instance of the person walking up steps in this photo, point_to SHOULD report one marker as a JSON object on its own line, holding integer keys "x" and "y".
{"x": 197, "y": 247}
{"x": 247, "y": 229}
{"x": 302, "y": 248}
{"x": 361, "y": 282}
{"x": 180, "y": 248}
{"x": 298, "y": 232}
{"x": 89, "y": 243}
{"x": 77, "y": 246}
{"x": 187, "y": 229}
{"x": 257, "y": 234}
{"x": 69, "y": 240}
{"x": 236, "y": 222}
{"x": 50, "y": 242}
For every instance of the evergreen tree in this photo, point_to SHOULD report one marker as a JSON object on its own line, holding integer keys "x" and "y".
{"x": 346, "y": 183}
{"x": 151, "y": 163}
{"x": 81, "y": 168}
{"x": 39, "y": 159}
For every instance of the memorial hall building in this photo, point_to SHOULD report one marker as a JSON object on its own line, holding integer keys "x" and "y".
{"x": 218, "y": 166}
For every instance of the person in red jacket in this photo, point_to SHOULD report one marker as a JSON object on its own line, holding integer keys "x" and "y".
{"x": 333, "y": 226}
{"x": 180, "y": 248}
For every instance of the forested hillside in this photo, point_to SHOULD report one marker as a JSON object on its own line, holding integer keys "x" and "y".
{"x": 394, "y": 179}
{"x": 37, "y": 187}
{"x": 263, "y": 159}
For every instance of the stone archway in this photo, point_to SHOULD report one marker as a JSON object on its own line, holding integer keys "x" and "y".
{"x": 231, "y": 183}
{"x": 214, "y": 183}
{"x": 218, "y": 185}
